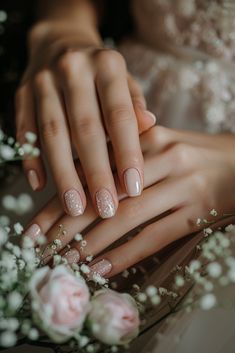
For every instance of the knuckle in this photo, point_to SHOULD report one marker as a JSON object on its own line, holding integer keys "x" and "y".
{"x": 133, "y": 210}
{"x": 109, "y": 59}
{"x": 199, "y": 181}
{"x": 119, "y": 115}
{"x": 85, "y": 127}
{"x": 190, "y": 221}
{"x": 158, "y": 136}
{"x": 181, "y": 154}
{"x": 50, "y": 128}
{"x": 69, "y": 62}
{"x": 40, "y": 80}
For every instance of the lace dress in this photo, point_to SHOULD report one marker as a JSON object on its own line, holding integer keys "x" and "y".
{"x": 183, "y": 55}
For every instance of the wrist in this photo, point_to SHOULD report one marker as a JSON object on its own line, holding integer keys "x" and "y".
{"x": 62, "y": 34}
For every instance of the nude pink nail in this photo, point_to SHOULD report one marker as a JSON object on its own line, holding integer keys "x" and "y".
{"x": 105, "y": 203}
{"x": 151, "y": 116}
{"x": 103, "y": 267}
{"x": 33, "y": 232}
{"x": 132, "y": 182}
{"x": 72, "y": 256}
{"x": 73, "y": 203}
{"x": 33, "y": 179}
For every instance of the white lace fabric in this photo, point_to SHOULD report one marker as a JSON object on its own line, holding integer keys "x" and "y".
{"x": 183, "y": 55}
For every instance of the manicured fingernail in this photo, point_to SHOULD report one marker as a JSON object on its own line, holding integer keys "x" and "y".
{"x": 151, "y": 116}
{"x": 105, "y": 203}
{"x": 102, "y": 268}
{"x": 33, "y": 232}
{"x": 132, "y": 182}
{"x": 73, "y": 203}
{"x": 33, "y": 179}
{"x": 72, "y": 256}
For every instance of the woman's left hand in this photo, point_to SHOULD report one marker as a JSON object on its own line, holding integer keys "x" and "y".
{"x": 186, "y": 176}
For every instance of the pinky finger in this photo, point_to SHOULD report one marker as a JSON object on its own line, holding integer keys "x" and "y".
{"x": 26, "y": 122}
{"x": 151, "y": 239}
{"x": 145, "y": 118}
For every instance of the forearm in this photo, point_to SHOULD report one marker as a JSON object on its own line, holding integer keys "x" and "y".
{"x": 83, "y": 11}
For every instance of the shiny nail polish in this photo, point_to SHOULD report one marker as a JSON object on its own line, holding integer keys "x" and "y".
{"x": 103, "y": 267}
{"x": 33, "y": 232}
{"x": 33, "y": 179}
{"x": 73, "y": 203}
{"x": 72, "y": 256}
{"x": 132, "y": 182}
{"x": 105, "y": 203}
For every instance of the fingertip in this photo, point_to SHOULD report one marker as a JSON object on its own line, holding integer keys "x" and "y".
{"x": 105, "y": 203}
{"x": 33, "y": 179}
{"x": 146, "y": 120}
{"x": 74, "y": 204}
{"x": 150, "y": 117}
{"x": 132, "y": 182}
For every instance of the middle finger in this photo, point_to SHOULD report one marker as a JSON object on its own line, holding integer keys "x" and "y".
{"x": 89, "y": 139}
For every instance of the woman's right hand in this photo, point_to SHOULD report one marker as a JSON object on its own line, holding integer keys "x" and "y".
{"x": 73, "y": 93}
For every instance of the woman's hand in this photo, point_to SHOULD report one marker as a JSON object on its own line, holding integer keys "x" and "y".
{"x": 186, "y": 176}
{"x": 74, "y": 92}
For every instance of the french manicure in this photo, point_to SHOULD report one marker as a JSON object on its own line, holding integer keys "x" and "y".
{"x": 151, "y": 116}
{"x": 72, "y": 256}
{"x": 105, "y": 203}
{"x": 132, "y": 182}
{"x": 102, "y": 268}
{"x": 33, "y": 179}
{"x": 73, "y": 203}
{"x": 33, "y": 232}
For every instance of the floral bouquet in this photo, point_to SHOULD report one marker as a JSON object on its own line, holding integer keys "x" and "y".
{"x": 59, "y": 304}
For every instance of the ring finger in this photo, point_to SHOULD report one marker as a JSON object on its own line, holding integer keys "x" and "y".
{"x": 55, "y": 136}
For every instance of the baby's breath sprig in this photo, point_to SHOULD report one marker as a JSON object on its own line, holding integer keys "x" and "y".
{"x": 11, "y": 150}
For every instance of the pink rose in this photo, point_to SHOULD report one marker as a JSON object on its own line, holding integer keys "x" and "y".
{"x": 60, "y": 301}
{"x": 114, "y": 317}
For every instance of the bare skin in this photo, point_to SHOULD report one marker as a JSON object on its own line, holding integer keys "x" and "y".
{"x": 75, "y": 95}
{"x": 186, "y": 175}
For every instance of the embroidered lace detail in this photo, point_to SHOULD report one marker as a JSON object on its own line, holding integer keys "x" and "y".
{"x": 207, "y": 25}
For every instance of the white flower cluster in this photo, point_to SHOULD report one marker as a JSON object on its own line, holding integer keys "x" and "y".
{"x": 29, "y": 305}
{"x": 19, "y": 205}
{"x": 11, "y": 150}
{"x": 216, "y": 266}
{"x": 17, "y": 264}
